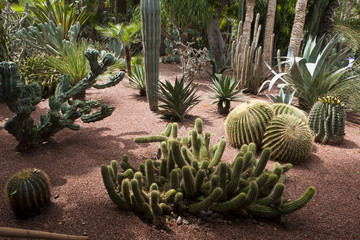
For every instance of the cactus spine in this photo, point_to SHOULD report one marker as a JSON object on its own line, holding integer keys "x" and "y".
{"x": 238, "y": 187}
{"x": 326, "y": 120}
{"x": 150, "y": 19}
{"x": 27, "y": 191}
{"x": 289, "y": 139}
{"x": 247, "y": 123}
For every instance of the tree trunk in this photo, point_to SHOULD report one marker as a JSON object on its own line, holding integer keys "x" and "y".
{"x": 297, "y": 30}
{"x": 249, "y": 17}
{"x": 269, "y": 31}
{"x": 216, "y": 41}
{"x": 119, "y": 9}
{"x": 128, "y": 60}
{"x": 327, "y": 23}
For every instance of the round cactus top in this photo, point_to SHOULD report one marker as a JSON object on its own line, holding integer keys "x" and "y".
{"x": 330, "y": 99}
{"x": 251, "y": 104}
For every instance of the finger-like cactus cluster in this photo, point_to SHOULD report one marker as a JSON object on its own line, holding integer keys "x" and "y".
{"x": 280, "y": 127}
{"x": 27, "y": 191}
{"x": 326, "y": 120}
{"x": 22, "y": 99}
{"x": 191, "y": 176}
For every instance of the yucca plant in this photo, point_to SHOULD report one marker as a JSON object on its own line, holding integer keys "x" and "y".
{"x": 224, "y": 90}
{"x": 137, "y": 79}
{"x": 314, "y": 74}
{"x": 178, "y": 99}
{"x": 59, "y": 13}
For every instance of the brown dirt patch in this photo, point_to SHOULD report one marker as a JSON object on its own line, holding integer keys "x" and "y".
{"x": 83, "y": 206}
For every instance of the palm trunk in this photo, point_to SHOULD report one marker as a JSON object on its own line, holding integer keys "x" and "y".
{"x": 327, "y": 24}
{"x": 249, "y": 17}
{"x": 298, "y": 27}
{"x": 128, "y": 60}
{"x": 216, "y": 41}
{"x": 269, "y": 31}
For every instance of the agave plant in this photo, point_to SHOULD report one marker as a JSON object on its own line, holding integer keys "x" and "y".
{"x": 137, "y": 80}
{"x": 224, "y": 90}
{"x": 177, "y": 100}
{"x": 215, "y": 63}
{"x": 314, "y": 74}
{"x": 283, "y": 97}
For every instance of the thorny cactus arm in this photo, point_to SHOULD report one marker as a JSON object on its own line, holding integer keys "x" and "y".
{"x": 22, "y": 99}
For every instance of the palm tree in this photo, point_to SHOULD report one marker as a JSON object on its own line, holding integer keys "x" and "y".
{"x": 269, "y": 31}
{"x": 297, "y": 30}
{"x": 249, "y": 17}
{"x": 126, "y": 34}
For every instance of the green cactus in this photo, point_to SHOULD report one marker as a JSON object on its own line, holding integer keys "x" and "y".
{"x": 326, "y": 120}
{"x": 282, "y": 108}
{"x": 177, "y": 183}
{"x": 151, "y": 29}
{"x": 289, "y": 139}
{"x": 22, "y": 100}
{"x": 247, "y": 123}
{"x": 27, "y": 191}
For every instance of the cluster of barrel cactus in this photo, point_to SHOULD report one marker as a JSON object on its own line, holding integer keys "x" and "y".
{"x": 27, "y": 191}
{"x": 326, "y": 120}
{"x": 22, "y": 99}
{"x": 280, "y": 127}
{"x": 191, "y": 176}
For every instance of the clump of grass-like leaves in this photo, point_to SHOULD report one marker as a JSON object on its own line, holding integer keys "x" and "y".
{"x": 137, "y": 79}
{"x": 178, "y": 99}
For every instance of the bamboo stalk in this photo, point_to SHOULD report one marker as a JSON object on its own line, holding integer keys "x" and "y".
{"x": 24, "y": 233}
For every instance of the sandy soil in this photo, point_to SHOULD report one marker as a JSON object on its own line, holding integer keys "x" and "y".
{"x": 80, "y": 204}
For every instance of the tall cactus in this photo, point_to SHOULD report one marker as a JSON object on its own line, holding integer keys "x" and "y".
{"x": 22, "y": 100}
{"x": 247, "y": 61}
{"x": 27, "y": 191}
{"x": 326, "y": 120}
{"x": 195, "y": 184}
{"x": 151, "y": 28}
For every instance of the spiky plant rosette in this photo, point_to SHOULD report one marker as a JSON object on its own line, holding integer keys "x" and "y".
{"x": 247, "y": 123}
{"x": 289, "y": 139}
{"x": 137, "y": 79}
{"x": 224, "y": 90}
{"x": 282, "y": 108}
{"x": 326, "y": 120}
{"x": 178, "y": 99}
{"x": 27, "y": 191}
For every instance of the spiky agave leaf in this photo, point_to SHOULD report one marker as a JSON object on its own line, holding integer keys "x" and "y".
{"x": 177, "y": 100}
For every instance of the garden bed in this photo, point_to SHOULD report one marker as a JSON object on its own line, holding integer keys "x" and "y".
{"x": 80, "y": 204}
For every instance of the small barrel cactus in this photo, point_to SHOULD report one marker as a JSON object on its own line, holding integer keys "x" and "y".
{"x": 27, "y": 191}
{"x": 282, "y": 108}
{"x": 326, "y": 120}
{"x": 247, "y": 123}
{"x": 289, "y": 139}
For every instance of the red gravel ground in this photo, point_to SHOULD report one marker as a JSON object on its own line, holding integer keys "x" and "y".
{"x": 80, "y": 204}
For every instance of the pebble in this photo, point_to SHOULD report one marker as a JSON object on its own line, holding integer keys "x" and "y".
{"x": 196, "y": 227}
{"x": 254, "y": 221}
{"x": 179, "y": 221}
{"x": 209, "y": 213}
{"x": 185, "y": 222}
{"x": 56, "y": 196}
{"x": 83, "y": 223}
{"x": 85, "y": 233}
{"x": 199, "y": 221}
{"x": 229, "y": 222}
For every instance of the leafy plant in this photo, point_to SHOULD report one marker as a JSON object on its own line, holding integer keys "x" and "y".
{"x": 58, "y": 12}
{"x": 215, "y": 64}
{"x": 22, "y": 100}
{"x": 191, "y": 177}
{"x": 137, "y": 80}
{"x": 315, "y": 73}
{"x": 224, "y": 90}
{"x": 177, "y": 100}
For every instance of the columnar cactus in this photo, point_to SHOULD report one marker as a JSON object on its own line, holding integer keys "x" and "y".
{"x": 151, "y": 29}
{"x": 326, "y": 120}
{"x": 28, "y": 191}
{"x": 192, "y": 176}
{"x": 247, "y": 123}
{"x": 282, "y": 108}
{"x": 289, "y": 139}
{"x": 22, "y": 99}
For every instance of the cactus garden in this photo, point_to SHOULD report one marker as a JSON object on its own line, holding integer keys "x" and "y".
{"x": 103, "y": 137}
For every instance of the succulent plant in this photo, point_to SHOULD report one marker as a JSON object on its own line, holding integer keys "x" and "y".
{"x": 137, "y": 79}
{"x": 22, "y": 100}
{"x": 191, "y": 176}
{"x": 247, "y": 123}
{"x": 289, "y": 139}
{"x": 27, "y": 191}
{"x": 224, "y": 90}
{"x": 151, "y": 29}
{"x": 326, "y": 120}
{"x": 178, "y": 99}
{"x": 282, "y": 108}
